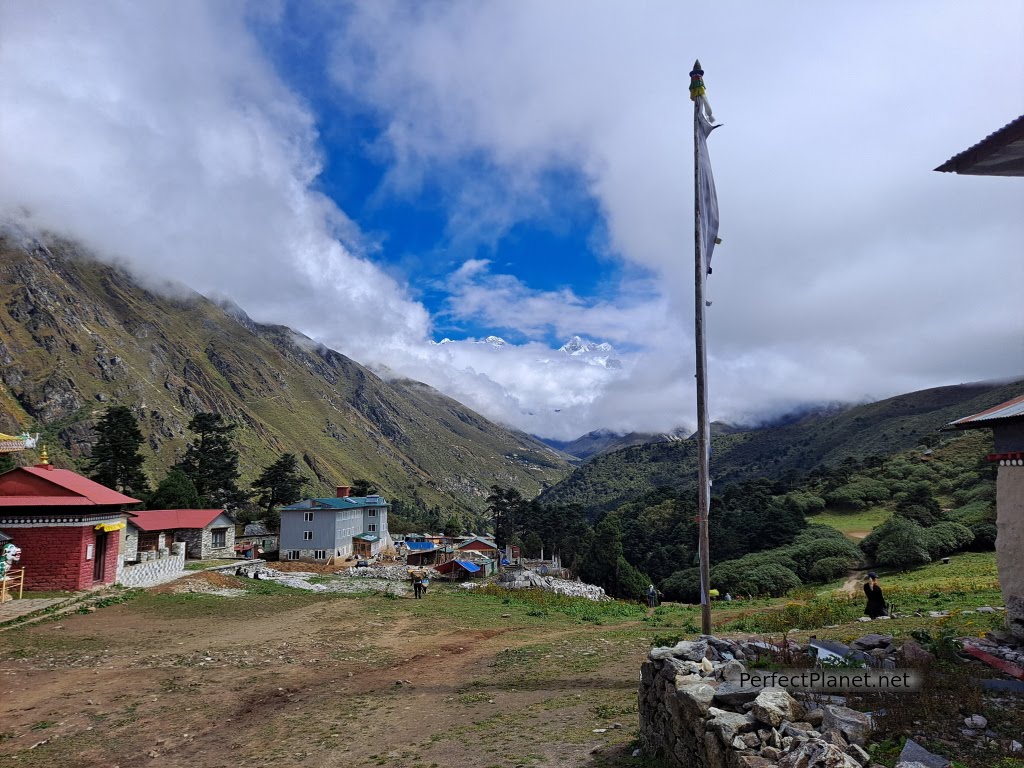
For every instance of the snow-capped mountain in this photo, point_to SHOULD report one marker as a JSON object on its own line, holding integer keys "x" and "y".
{"x": 602, "y": 354}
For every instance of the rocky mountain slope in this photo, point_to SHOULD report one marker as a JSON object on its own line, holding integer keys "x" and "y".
{"x": 77, "y": 335}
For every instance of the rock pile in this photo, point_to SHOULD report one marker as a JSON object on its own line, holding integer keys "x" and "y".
{"x": 389, "y": 572}
{"x": 527, "y": 579}
{"x": 695, "y": 713}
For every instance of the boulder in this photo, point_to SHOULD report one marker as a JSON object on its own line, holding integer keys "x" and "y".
{"x": 690, "y": 650}
{"x": 753, "y": 761}
{"x": 817, "y": 754}
{"x": 814, "y": 717}
{"x": 853, "y": 725}
{"x": 729, "y": 725}
{"x": 976, "y": 721}
{"x": 859, "y": 754}
{"x": 731, "y": 671}
{"x": 916, "y": 756}
{"x": 734, "y": 695}
{"x": 773, "y": 705}
{"x": 695, "y": 699}
{"x": 870, "y": 641}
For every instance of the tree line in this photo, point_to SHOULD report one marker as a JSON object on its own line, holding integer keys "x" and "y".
{"x": 206, "y": 476}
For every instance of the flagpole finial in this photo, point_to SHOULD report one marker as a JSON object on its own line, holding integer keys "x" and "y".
{"x": 698, "y": 93}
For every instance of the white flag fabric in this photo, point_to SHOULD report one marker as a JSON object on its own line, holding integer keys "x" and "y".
{"x": 707, "y": 201}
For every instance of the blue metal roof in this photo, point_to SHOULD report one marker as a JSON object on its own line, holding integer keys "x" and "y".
{"x": 419, "y": 546}
{"x": 471, "y": 567}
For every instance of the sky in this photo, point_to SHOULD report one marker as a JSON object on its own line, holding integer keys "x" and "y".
{"x": 382, "y": 176}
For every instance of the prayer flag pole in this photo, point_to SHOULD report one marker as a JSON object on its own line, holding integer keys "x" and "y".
{"x": 705, "y": 232}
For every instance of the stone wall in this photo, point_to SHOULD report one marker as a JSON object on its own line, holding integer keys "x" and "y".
{"x": 1010, "y": 542}
{"x": 695, "y": 714}
{"x": 158, "y": 567}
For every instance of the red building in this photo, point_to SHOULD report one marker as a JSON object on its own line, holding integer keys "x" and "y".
{"x": 67, "y": 526}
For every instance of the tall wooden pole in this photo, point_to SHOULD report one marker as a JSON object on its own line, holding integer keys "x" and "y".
{"x": 703, "y": 470}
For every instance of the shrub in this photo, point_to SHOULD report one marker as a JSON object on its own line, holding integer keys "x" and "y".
{"x": 829, "y": 568}
{"x": 984, "y": 537}
{"x": 683, "y": 586}
{"x": 945, "y": 538}
{"x": 901, "y": 544}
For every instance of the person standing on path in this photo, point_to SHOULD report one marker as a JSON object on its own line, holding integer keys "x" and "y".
{"x": 876, "y": 602}
{"x": 417, "y": 585}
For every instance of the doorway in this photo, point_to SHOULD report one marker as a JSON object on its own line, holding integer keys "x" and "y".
{"x": 99, "y": 556}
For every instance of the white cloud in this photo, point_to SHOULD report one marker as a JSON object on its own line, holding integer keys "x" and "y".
{"x": 160, "y": 134}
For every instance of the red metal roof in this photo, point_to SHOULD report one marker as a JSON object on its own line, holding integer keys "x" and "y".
{"x": 45, "y": 485}
{"x": 170, "y": 519}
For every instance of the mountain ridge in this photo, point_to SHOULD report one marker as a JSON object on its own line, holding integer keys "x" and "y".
{"x": 77, "y": 335}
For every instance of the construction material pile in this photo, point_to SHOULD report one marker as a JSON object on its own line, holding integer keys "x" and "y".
{"x": 527, "y": 579}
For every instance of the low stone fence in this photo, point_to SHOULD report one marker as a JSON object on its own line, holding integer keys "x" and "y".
{"x": 153, "y": 568}
{"x": 695, "y": 713}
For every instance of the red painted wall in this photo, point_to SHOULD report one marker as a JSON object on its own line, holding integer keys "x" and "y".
{"x": 55, "y": 557}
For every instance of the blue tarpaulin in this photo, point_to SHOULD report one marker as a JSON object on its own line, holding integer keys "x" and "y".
{"x": 470, "y": 567}
{"x": 419, "y": 546}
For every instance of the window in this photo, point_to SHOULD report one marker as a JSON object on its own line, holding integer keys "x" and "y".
{"x": 220, "y": 538}
{"x": 372, "y": 527}
{"x": 320, "y": 554}
{"x": 307, "y": 517}
{"x": 373, "y": 513}
{"x": 293, "y": 554}
{"x": 307, "y": 535}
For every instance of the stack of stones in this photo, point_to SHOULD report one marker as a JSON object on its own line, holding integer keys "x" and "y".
{"x": 527, "y": 579}
{"x": 695, "y": 713}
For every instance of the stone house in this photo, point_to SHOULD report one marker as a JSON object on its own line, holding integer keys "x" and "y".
{"x": 66, "y": 526}
{"x": 255, "y": 540}
{"x": 318, "y": 529}
{"x": 480, "y": 545}
{"x": 208, "y": 534}
{"x": 1007, "y": 424}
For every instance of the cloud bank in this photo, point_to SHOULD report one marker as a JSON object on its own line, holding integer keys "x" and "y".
{"x": 163, "y": 136}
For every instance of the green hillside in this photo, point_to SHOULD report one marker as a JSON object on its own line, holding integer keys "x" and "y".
{"x": 876, "y": 429}
{"x": 77, "y": 336}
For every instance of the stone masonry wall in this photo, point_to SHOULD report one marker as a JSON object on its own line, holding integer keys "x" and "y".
{"x": 695, "y": 714}
{"x": 154, "y": 571}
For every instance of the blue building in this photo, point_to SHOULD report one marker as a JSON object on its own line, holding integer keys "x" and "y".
{"x": 343, "y": 526}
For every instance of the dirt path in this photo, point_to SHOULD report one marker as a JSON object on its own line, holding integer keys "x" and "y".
{"x": 204, "y": 682}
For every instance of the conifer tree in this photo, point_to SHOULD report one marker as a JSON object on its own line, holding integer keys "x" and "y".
{"x": 116, "y": 461}
{"x": 211, "y": 462}
{"x": 280, "y": 483}
{"x": 175, "y": 491}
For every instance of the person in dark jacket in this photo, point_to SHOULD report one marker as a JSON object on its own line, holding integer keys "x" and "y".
{"x": 876, "y": 602}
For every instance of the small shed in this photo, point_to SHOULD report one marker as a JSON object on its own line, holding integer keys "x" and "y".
{"x": 457, "y": 570}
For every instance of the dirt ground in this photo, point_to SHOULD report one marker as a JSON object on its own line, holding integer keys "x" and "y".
{"x": 296, "y": 679}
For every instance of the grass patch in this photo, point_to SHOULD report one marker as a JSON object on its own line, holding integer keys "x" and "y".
{"x": 202, "y": 565}
{"x": 854, "y": 525}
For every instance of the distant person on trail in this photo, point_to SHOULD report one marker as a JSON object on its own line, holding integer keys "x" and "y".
{"x": 728, "y": 597}
{"x": 876, "y": 602}
{"x": 417, "y": 584}
{"x": 652, "y": 596}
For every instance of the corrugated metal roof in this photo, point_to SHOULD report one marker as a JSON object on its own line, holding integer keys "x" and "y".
{"x": 77, "y": 490}
{"x": 367, "y": 537}
{"x": 471, "y": 567}
{"x": 999, "y": 154}
{"x": 170, "y": 519}
{"x": 1011, "y": 409}
{"x": 419, "y": 546}
{"x": 338, "y": 502}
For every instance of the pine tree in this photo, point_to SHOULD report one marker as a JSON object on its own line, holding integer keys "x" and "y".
{"x": 116, "y": 461}
{"x": 211, "y": 462}
{"x": 175, "y": 491}
{"x": 280, "y": 483}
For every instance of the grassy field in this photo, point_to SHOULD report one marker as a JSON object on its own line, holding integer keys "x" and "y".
{"x": 856, "y": 525}
{"x": 485, "y": 677}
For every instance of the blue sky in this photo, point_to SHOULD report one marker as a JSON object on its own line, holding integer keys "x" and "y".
{"x": 416, "y": 171}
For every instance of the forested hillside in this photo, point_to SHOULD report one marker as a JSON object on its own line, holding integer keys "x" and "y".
{"x": 818, "y": 439}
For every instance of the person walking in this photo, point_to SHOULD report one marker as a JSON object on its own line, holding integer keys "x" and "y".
{"x": 652, "y": 596}
{"x": 876, "y": 602}
{"x": 417, "y": 584}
